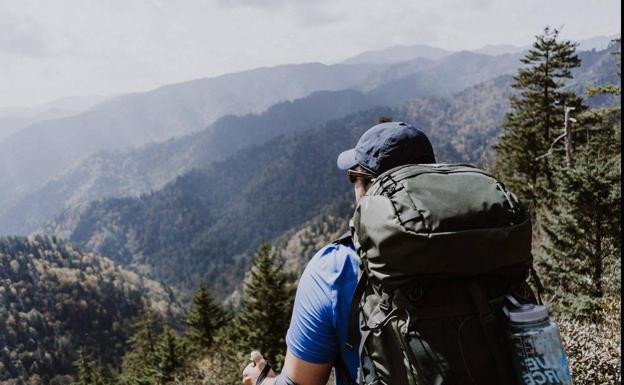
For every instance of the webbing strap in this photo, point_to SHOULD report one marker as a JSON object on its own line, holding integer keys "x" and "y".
{"x": 354, "y": 310}
{"x": 263, "y": 375}
{"x": 487, "y": 319}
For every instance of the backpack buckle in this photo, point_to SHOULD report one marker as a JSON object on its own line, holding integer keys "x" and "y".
{"x": 387, "y": 189}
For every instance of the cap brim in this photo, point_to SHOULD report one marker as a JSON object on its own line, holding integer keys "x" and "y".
{"x": 346, "y": 159}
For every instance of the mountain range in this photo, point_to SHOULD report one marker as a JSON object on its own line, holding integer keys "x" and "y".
{"x": 402, "y": 53}
{"x": 131, "y": 172}
{"x": 204, "y": 224}
{"x": 179, "y": 183}
{"x": 34, "y": 155}
{"x": 43, "y": 156}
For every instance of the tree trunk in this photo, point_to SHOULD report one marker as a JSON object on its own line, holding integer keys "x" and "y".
{"x": 597, "y": 276}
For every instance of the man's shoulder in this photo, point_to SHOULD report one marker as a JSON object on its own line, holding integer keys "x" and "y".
{"x": 334, "y": 257}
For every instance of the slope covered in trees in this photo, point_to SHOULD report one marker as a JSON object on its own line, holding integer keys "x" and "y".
{"x": 202, "y": 225}
{"x": 215, "y": 346}
{"x": 55, "y": 299}
{"x": 131, "y": 173}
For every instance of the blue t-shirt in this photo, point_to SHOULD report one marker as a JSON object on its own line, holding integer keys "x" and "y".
{"x": 319, "y": 324}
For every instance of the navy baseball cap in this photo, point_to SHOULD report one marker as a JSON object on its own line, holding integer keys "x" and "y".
{"x": 388, "y": 145}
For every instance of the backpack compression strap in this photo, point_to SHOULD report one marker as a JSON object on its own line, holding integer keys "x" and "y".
{"x": 486, "y": 318}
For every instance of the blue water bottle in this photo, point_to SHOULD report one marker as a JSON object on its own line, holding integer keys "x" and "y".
{"x": 537, "y": 351}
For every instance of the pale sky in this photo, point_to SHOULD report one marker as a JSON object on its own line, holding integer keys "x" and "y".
{"x": 53, "y": 49}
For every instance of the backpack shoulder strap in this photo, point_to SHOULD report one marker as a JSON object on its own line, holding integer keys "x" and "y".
{"x": 486, "y": 318}
{"x": 343, "y": 370}
{"x": 345, "y": 239}
{"x": 354, "y": 310}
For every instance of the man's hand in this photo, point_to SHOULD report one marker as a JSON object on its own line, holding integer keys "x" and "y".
{"x": 255, "y": 367}
{"x": 298, "y": 370}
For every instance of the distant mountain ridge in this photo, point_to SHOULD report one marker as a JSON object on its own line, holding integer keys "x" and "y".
{"x": 37, "y": 153}
{"x": 399, "y": 53}
{"x": 13, "y": 119}
{"x": 402, "y": 53}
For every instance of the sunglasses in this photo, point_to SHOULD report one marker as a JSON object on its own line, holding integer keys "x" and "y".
{"x": 354, "y": 175}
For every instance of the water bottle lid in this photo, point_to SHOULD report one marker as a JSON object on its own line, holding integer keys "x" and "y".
{"x": 528, "y": 313}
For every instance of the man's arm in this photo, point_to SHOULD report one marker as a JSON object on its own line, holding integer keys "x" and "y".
{"x": 311, "y": 338}
{"x": 297, "y": 370}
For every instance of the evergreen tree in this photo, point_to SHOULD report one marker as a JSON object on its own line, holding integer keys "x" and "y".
{"x": 266, "y": 306}
{"x": 262, "y": 322}
{"x": 606, "y": 132}
{"x": 88, "y": 373}
{"x": 536, "y": 117}
{"x": 169, "y": 356}
{"x": 139, "y": 364}
{"x": 582, "y": 250}
{"x": 205, "y": 318}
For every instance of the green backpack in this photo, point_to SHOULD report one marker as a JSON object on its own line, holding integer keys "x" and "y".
{"x": 441, "y": 245}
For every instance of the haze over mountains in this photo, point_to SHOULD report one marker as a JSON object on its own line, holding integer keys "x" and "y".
{"x": 402, "y": 53}
{"x": 39, "y": 153}
{"x": 133, "y": 172}
{"x": 34, "y": 155}
{"x": 13, "y": 119}
{"x": 46, "y": 155}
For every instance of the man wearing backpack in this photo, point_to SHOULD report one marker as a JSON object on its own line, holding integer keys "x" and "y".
{"x": 440, "y": 246}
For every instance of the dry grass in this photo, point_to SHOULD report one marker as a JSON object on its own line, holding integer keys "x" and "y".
{"x": 594, "y": 349}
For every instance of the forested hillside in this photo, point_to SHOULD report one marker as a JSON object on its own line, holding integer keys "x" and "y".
{"x": 203, "y": 225}
{"x": 131, "y": 173}
{"x": 55, "y": 299}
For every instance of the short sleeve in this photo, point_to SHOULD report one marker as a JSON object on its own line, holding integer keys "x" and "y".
{"x": 311, "y": 335}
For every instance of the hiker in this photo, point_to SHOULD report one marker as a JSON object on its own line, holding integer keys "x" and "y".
{"x": 441, "y": 247}
{"x": 318, "y": 328}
